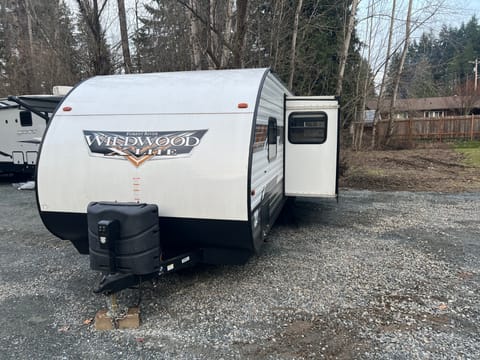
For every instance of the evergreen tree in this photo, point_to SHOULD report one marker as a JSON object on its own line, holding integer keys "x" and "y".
{"x": 37, "y": 47}
{"x": 59, "y": 49}
{"x": 162, "y": 43}
{"x": 440, "y": 65}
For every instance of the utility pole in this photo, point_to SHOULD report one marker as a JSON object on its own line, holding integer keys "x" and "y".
{"x": 475, "y": 71}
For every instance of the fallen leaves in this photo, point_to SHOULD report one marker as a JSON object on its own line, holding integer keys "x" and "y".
{"x": 443, "y": 306}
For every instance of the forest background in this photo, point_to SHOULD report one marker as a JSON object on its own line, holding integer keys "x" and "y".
{"x": 356, "y": 49}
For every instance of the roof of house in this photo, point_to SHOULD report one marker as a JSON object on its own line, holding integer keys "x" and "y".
{"x": 433, "y": 103}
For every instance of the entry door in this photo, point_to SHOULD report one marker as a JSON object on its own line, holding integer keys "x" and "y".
{"x": 311, "y": 153}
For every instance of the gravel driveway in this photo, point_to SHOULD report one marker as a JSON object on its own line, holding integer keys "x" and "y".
{"x": 379, "y": 275}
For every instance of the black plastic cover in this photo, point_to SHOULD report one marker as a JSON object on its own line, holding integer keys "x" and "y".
{"x": 137, "y": 248}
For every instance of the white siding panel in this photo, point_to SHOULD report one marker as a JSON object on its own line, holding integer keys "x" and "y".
{"x": 18, "y": 138}
{"x": 263, "y": 172}
{"x": 210, "y": 183}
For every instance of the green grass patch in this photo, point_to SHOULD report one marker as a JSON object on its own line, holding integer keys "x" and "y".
{"x": 467, "y": 144}
{"x": 471, "y": 151}
{"x": 375, "y": 172}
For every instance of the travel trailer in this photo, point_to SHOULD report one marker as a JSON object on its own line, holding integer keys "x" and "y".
{"x": 150, "y": 173}
{"x": 23, "y": 120}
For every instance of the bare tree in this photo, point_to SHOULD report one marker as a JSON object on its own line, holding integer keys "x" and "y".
{"x": 241, "y": 31}
{"x": 22, "y": 23}
{"x": 221, "y": 46}
{"x": 367, "y": 78}
{"x": 384, "y": 77}
{"x": 138, "y": 61}
{"x": 31, "y": 50}
{"x": 388, "y": 41}
{"x": 398, "y": 73}
{"x": 38, "y": 48}
{"x": 346, "y": 47}
{"x": 91, "y": 13}
{"x": 229, "y": 31}
{"x": 293, "y": 50}
{"x": 277, "y": 23}
{"x": 196, "y": 51}
{"x": 122, "y": 17}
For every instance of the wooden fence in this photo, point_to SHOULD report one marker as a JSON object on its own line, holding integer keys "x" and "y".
{"x": 442, "y": 128}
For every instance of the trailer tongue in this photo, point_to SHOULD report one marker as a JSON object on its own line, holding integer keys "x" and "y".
{"x": 124, "y": 244}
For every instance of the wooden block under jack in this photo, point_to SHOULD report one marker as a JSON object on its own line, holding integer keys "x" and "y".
{"x": 130, "y": 321}
{"x": 103, "y": 321}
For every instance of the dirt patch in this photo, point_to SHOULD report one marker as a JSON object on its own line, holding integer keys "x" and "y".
{"x": 440, "y": 170}
{"x": 333, "y": 336}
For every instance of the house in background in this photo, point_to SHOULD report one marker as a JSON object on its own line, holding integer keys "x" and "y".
{"x": 433, "y": 107}
{"x": 450, "y": 117}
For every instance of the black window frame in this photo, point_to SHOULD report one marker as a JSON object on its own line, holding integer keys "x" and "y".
{"x": 308, "y": 113}
{"x": 272, "y": 138}
{"x": 28, "y": 121}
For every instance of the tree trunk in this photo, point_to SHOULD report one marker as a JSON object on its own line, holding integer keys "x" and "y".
{"x": 367, "y": 78}
{"x": 346, "y": 47}
{"x": 91, "y": 14}
{"x": 227, "y": 37}
{"x": 293, "y": 51}
{"x": 213, "y": 61}
{"x": 240, "y": 33}
{"x": 391, "y": 120}
{"x": 122, "y": 17}
{"x": 384, "y": 77}
{"x": 196, "y": 51}
{"x": 275, "y": 35}
{"x": 30, "y": 71}
{"x": 218, "y": 46}
{"x": 138, "y": 59}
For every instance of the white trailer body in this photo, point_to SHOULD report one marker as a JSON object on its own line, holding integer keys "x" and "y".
{"x": 21, "y": 132}
{"x": 312, "y": 146}
{"x": 206, "y": 147}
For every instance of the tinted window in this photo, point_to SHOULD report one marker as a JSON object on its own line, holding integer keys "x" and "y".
{"x": 307, "y": 128}
{"x": 25, "y": 118}
{"x": 272, "y": 138}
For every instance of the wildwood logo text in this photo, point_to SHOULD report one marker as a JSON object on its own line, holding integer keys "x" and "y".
{"x": 138, "y": 147}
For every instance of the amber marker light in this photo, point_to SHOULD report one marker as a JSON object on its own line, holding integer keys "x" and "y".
{"x": 67, "y": 108}
{"x": 242, "y": 105}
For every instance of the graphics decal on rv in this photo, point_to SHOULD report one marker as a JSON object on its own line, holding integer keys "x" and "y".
{"x": 138, "y": 147}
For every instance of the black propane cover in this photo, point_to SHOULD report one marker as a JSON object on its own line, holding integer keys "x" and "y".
{"x": 123, "y": 237}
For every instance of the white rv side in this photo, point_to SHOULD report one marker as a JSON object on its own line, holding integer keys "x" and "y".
{"x": 21, "y": 131}
{"x": 210, "y": 149}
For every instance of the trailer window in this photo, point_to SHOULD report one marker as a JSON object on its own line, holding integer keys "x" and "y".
{"x": 272, "y": 138}
{"x": 26, "y": 118}
{"x": 307, "y": 128}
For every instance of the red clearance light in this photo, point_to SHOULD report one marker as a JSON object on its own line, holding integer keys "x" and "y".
{"x": 67, "y": 108}
{"x": 242, "y": 105}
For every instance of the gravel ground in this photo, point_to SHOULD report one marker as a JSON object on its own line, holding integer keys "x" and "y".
{"x": 390, "y": 275}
